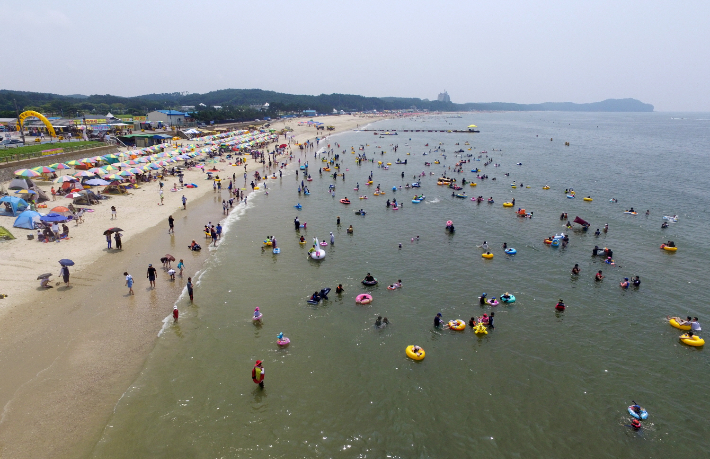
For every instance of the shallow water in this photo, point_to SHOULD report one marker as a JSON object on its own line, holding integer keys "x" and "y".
{"x": 542, "y": 384}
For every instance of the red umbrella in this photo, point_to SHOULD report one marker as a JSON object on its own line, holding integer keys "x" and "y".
{"x": 169, "y": 257}
{"x": 283, "y": 145}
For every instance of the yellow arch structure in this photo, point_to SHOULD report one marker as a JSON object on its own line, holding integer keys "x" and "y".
{"x": 31, "y": 114}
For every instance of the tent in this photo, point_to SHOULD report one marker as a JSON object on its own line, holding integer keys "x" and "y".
{"x": 115, "y": 187}
{"x": 86, "y": 197}
{"x": 20, "y": 184}
{"x": 14, "y": 205}
{"x": 27, "y": 219}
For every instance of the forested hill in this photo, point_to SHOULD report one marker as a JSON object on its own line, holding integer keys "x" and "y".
{"x": 238, "y": 101}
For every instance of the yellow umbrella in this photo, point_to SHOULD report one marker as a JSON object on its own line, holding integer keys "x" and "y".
{"x": 473, "y": 125}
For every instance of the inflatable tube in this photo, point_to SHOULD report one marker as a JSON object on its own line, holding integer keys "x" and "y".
{"x": 302, "y": 242}
{"x": 668, "y": 249}
{"x": 419, "y": 355}
{"x": 363, "y": 197}
{"x": 560, "y": 307}
{"x": 555, "y": 243}
{"x": 480, "y": 329}
{"x": 570, "y": 196}
{"x": 507, "y": 204}
{"x": 487, "y": 256}
{"x": 643, "y": 415}
{"x": 373, "y": 282}
{"x": 457, "y": 325}
{"x": 317, "y": 255}
{"x": 363, "y": 298}
{"x": 283, "y": 342}
{"x": 277, "y": 250}
{"x": 546, "y": 188}
{"x": 547, "y": 241}
{"x": 416, "y": 201}
{"x": 694, "y": 340}
{"x": 674, "y": 323}
{"x": 256, "y": 187}
{"x": 510, "y": 299}
{"x": 472, "y": 184}
{"x": 257, "y": 318}
{"x": 268, "y": 243}
{"x": 324, "y": 244}
{"x": 343, "y": 201}
{"x": 511, "y": 251}
{"x": 588, "y": 199}
{"x": 492, "y": 302}
{"x": 631, "y": 213}
{"x": 298, "y": 206}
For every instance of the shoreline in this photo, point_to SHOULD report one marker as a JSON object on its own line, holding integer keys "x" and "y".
{"x": 71, "y": 352}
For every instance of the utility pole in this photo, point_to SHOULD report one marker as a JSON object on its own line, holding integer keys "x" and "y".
{"x": 22, "y": 130}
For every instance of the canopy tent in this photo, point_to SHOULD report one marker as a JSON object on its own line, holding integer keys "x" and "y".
{"x": 14, "y": 205}
{"x": 115, "y": 187}
{"x": 27, "y": 219}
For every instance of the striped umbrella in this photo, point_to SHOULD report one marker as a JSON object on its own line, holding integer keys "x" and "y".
{"x": 64, "y": 178}
{"x": 108, "y": 167}
{"x": 84, "y": 174}
{"x": 26, "y": 173}
{"x": 43, "y": 170}
{"x": 73, "y": 162}
{"x": 59, "y": 166}
{"x": 122, "y": 164}
{"x": 97, "y": 171}
{"x": 135, "y": 170}
{"x": 113, "y": 177}
{"x": 125, "y": 174}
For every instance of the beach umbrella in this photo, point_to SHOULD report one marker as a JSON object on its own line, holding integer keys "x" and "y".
{"x": 73, "y": 162}
{"x": 66, "y": 262}
{"x": 122, "y": 164}
{"x": 113, "y": 177}
{"x": 96, "y": 182}
{"x": 59, "y": 166}
{"x": 84, "y": 174}
{"x": 64, "y": 178}
{"x": 125, "y": 174}
{"x": 97, "y": 170}
{"x": 43, "y": 169}
{"x": 25, "y": 192}
{"x": 110, "y": 156}
{"x": 26, "y": 173}
{"x": 44, "y": 276}
{"x": 135, "y": 170}
{"x": 108, "y": 167}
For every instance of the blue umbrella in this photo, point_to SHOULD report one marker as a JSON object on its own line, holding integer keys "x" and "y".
{"x": 53, "y": 218}
{"x": 66, "y": 262}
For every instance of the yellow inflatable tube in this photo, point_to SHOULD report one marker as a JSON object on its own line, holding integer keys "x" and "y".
{"x": 674, "y": 323}
{"x": 473, "y": 184}
{"x": 480, "y": 329}
{"x": 694, "y": 340}
{"x": 546, "y": 188}
{"x": 457, "y": 325}
{"x": 507, "y": 204}
{"x": 419, "y": 355}
{"x": 588, "y": 199}
{"x": 487, "y": 255}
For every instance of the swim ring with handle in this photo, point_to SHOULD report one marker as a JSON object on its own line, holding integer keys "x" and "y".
{"x": 419, "y": 355}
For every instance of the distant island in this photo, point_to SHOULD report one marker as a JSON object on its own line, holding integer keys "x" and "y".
{"x": 246, "y": 104}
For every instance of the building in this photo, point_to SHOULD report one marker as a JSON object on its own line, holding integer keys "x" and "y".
{"x": 444, "y": 97}
{"x": 169, "y": 117}
{"x": 309, "y": 112}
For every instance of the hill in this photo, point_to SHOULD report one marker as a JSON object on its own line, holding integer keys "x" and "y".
{"x": 236, "y": 104}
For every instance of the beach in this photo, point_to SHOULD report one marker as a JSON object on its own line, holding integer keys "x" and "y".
{"x": 69, "y": 353}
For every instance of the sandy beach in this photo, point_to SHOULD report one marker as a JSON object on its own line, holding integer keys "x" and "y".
{"x": 69, "y": 353}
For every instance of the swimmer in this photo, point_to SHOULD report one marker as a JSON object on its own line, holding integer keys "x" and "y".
{"x": 625, "y": 283}
{"x": 339, "y": 289}
{"x": 378, "y": 322}
{"x": 598, "y": 276}
{"x": 575, "y": 270}
{"x": 482, "y": 299}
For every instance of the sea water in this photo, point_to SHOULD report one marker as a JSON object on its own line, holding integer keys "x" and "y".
{"x": 542, "y": 384}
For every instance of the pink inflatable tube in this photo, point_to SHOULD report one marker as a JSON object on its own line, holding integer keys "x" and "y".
{"x": 363, "y": 298}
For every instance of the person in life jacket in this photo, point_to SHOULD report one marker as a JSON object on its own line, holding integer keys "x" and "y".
{"x": 257, "y": 374}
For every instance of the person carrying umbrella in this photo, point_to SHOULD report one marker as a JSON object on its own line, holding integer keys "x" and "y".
{"x": 117, "y": 237}
{"x": 108, "y": 239}
{"x": 64, "y": 272}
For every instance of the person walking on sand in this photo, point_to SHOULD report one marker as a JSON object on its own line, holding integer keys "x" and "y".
{"x": 161, "y": 197}
{"x": 129, "y": 282}
{"x": 257, "y": 374}
{"x": 189, "y": 288}
{"x": 175, "y": 314}
{"x": 64, "y": 272}
{"x": 171, "y": 225}
{"x": 113, "y": 213}
{"x": 181, "y": 266}
{"x": 184, "y": 202}
{"x": 151, "y": 275}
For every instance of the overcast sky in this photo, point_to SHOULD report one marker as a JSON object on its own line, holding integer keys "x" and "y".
{"x": 479, "y": 51}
